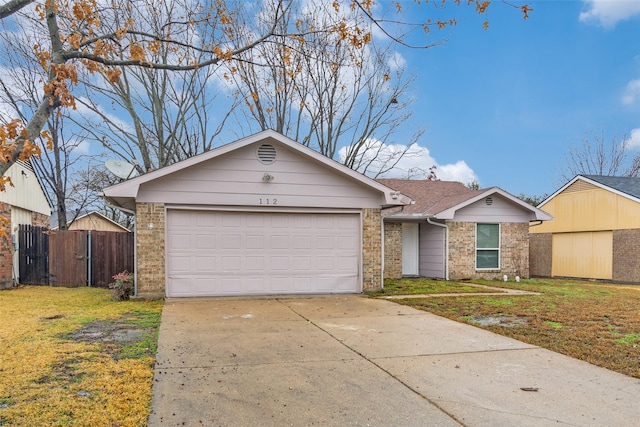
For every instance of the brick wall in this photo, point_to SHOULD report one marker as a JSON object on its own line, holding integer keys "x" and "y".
{"x": 371, "y": 249}
{"x": 150, "y": 273}
{"x": 392, "y": 250}
{"x": 514, "y": 251}
{"x": 6, "y": 247}
{"x": 626, "y": 255}
{"x": 462, "y": 250}
{"x": 40, "y": 220}
{"x": 540, "y": 254}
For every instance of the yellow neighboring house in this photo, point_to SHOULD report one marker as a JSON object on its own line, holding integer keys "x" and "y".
{"x": 595, "y": 233}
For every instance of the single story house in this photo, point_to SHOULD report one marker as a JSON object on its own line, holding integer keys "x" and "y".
{"x": 453, "y": 232}
{"x": 92, "y": 220}
{"x": 595, "y": 233}
{"x": 262, "y": 215}
{"x": 23, "y": 203}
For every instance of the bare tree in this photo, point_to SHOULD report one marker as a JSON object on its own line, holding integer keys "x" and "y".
{"x": 100, "y": 38}
{"x": 327, "y": 93}
{"x": 168, "y": 115}
{"x": 86, "y": 188}
{"x": 598, "y": 155}
{"x": 20, "y": 94}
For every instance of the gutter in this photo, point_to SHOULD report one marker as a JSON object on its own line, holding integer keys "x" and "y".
{"x": 446, "y": 245}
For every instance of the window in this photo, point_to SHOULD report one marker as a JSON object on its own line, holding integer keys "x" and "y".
{"x": 487, "y": 246}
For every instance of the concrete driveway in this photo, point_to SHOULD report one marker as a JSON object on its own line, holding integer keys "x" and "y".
{"x": 351, "y": 360}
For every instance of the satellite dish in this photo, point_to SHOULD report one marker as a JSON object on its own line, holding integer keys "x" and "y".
{"x": 121, "y": 169}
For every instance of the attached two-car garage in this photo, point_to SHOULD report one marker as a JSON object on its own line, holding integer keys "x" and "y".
{"x": 223, "y": 253}
{"x": 263, "y": 215}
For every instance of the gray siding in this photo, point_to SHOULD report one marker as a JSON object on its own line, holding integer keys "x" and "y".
{"x": 235, "y": 179}
{"x": 432, "y": 248}
{"x": 500, "y": 210}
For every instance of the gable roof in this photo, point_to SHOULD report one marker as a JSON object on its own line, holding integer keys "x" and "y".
{"x": 441, "y": 199}
{"x": 121, "y": 195}
{"x": 624, "y": 186}
{"x": 430, "y": 197}
{"x": 83, "y": 214}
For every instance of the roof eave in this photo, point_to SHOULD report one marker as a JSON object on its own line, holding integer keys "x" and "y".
{"x": 449, "y": 214}
{"x": 130, "y": 188}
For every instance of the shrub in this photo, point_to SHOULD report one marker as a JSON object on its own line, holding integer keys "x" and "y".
{"x": 122, "y": 288}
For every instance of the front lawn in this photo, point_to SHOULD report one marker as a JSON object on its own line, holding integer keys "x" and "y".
{"x": 595, "y": 322}
{"x": 75, "y": 357}
{"x": 420, "y": 285}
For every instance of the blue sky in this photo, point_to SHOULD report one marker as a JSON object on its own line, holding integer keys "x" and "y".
{"x": 511, "y": 100}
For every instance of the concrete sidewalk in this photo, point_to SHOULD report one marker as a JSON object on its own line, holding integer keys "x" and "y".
{"x": 351, "y": 360}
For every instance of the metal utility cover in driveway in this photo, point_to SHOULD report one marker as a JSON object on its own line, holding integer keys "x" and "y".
{"x": 223, "y": 253}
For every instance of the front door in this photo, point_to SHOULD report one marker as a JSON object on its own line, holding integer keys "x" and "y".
{"x": 410, "y": 234}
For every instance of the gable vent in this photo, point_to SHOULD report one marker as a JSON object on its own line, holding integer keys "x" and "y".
{"x": 267, "y": 154}
{"x": 488, "y": 201}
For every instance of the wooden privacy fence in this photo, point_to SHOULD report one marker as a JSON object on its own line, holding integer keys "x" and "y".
{"x": 34, "y": 254}
{"x": 75, "y": 257}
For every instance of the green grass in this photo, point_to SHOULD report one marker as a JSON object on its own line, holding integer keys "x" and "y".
{"x": 419, "y": 286}
{"x": 595, "y": 322}
{"x": 147, "y": 344}
{"x": 554, "y": 325}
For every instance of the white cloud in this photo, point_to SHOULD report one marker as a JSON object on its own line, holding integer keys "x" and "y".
{"x": 608, "y": 13}
{"x": 414, "y": 164}
{"x": 631, "y": 92}
{"x": 83, "y": 109}
{"x": 396, "y": 62}
{"x": 634, "y": 139}
{"x": 82, "y": 148}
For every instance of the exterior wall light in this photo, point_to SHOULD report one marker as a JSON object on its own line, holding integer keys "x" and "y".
{"x": 267, "y": 177}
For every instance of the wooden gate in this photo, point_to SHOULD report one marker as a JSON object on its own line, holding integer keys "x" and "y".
{"x": 34, "y": 254}
{"x": 73, "y": 258}
{"x": 68, "y": 258}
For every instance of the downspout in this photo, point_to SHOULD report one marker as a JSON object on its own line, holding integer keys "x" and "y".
{"x": 446, "y": 245}
{"x": 382, "y": 250}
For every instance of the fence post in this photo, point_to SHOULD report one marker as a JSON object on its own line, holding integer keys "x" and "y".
{"x": 89, "y": 272}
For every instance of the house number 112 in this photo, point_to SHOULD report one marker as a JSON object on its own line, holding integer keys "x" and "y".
{"x": 268, "y": 201}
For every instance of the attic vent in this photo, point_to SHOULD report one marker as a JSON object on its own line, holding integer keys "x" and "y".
{"x": 267, "y": 154}
{"x": 488, "y": 201}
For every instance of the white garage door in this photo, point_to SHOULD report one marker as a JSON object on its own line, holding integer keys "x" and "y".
{"x": 242, "y": 253}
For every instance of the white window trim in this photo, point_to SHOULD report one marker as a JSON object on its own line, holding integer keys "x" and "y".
{"x": 488, "y": 249}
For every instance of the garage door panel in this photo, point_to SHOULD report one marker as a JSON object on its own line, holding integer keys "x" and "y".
{"x": 302, "y": 263}
{"x": 346, "y": 243}
{"x": 583, "y": 254}
{"x": 236, "y": 253}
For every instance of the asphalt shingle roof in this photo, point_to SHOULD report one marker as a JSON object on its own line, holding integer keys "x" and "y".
{"x": 624, "y": 184}
{"x": 431, "y": 197}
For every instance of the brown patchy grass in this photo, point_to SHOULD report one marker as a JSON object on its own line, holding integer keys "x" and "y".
{"x": 595, "y": 322}
{"x": 75, "y": 357}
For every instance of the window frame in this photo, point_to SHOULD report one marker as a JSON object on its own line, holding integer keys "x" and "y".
{"x": 497, "y": 250}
